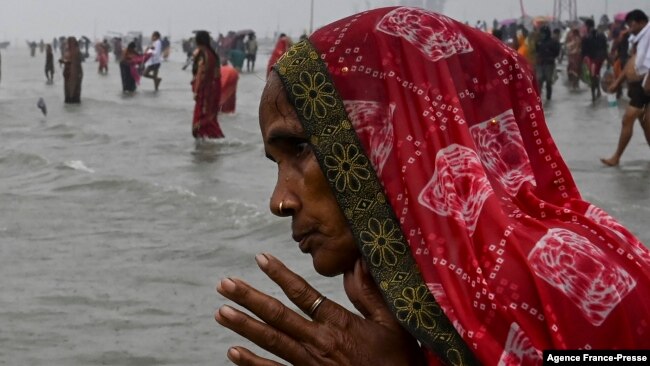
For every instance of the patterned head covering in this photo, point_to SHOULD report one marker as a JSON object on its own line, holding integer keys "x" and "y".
{"x": 433, "y": 139}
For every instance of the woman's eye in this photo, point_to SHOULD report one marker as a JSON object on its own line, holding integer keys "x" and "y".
{"x": 302, "y": 147}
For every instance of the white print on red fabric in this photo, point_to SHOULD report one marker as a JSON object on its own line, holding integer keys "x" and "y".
{"x": 604, "y": 219}
{"x": 374, "y": 123}
{"x": 502, "y": 152}
{"x": 427, "y": 31}
{"x": 518, "y": 349}
{"x": 458, "y": 187}
{"x": 575, "y": 266}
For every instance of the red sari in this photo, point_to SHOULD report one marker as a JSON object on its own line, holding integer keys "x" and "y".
{"x": 229, "y": 79}
{"x": 434, "y": 142}
{"x": 207, "y": 93}
{"x": 281, "y": 47}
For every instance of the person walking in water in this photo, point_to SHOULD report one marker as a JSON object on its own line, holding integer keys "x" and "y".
{"x": 49, "y": 64}
{"x": 594, "y": 53}
{"x": 636, "y": 71}
{"x": 152, "y": 65}
{"x": 548, "y": 49}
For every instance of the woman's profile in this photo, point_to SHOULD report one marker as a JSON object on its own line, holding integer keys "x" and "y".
{"x": 414, "y": 159}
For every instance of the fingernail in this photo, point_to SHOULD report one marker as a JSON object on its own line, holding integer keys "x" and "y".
{"x": 227, "y": 312}
{"x": 233, "y": 354}
{"x": 228, "y": 285}
{"x": 262, "y": 261}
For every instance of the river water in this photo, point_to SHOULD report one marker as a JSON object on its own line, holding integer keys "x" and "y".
{"x": 115, "y": 226}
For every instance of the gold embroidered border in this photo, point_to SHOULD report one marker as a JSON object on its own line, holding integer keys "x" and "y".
{"x": 361, "y": 196}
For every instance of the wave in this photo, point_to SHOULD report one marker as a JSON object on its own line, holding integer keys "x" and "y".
{"x": 232, "y": 213}
{"x": 77, "y": 165}
{"x": 113, "y": 185}
{"x": 74, "y": 133}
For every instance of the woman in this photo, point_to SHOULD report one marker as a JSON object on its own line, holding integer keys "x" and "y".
{"x": 129, "y": 68}
{"x": 414, "y": 148}
{"x": 49, "y": 64}
{"x": 574, "y": 52}
{"x": 206, "y": 85}
{"x": 281, "y": 46}
{"x": 72, "y": 71}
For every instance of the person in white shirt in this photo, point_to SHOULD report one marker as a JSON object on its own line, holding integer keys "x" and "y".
{"x": 638, "y": 23}
{"x": 153, "y": 63}
{"x": 638, "y": 86}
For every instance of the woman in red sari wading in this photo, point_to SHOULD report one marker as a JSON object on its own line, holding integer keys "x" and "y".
{"x": 206, "y": 86}
{"x": 413, "y": 158}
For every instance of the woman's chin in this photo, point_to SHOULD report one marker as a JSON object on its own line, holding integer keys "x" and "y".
{"x": 332, "y": 267}
{"x": 325, "y": 269}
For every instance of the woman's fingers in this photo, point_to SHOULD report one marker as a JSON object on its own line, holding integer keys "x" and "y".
{"x": 268, "y": 309}
{"x": 300, "y": 292}
{"x": 365, "y": 296}
{"x": 243, "y": 357}
{"x": 261, "y": 334}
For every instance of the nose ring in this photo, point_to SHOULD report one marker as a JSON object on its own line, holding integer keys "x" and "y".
{"x": 280, "y": 208}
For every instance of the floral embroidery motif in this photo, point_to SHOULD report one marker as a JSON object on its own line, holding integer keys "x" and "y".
{"x": 313, "y": 94}
{"x": 415, "y": 308}
{"x": 382, "y": 243}
{"x": 347, "y": 167}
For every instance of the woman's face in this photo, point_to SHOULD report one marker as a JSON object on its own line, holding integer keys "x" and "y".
{"x": 318, "y": 223}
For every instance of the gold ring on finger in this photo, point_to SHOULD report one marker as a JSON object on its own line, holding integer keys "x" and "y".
{"x": 315, "y": 305}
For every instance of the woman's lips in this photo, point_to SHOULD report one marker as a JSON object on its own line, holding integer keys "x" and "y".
{"x": 303, "y": 241}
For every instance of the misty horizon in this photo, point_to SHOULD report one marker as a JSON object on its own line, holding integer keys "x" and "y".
{"x": 34, "y": 19}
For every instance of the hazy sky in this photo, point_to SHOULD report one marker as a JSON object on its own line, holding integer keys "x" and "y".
{"x": 35, "y": 19}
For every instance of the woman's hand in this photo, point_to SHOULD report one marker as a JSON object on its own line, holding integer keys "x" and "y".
{"x": 335, "y": 336}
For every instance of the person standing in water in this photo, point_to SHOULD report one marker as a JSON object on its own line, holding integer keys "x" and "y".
{"x": 72, "y": 71}
{"x": 49, "y": 64}
{"x": 128, "y": 68}
{"x": 206, "y": 86}
{"x": 229, "y": 79}
{"x": 251, "y": 52}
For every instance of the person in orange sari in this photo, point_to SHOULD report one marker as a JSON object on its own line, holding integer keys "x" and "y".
{"x": 206, "y": 85}
{"x": 281, "y": 47}
{"x": 229, "y": 79}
